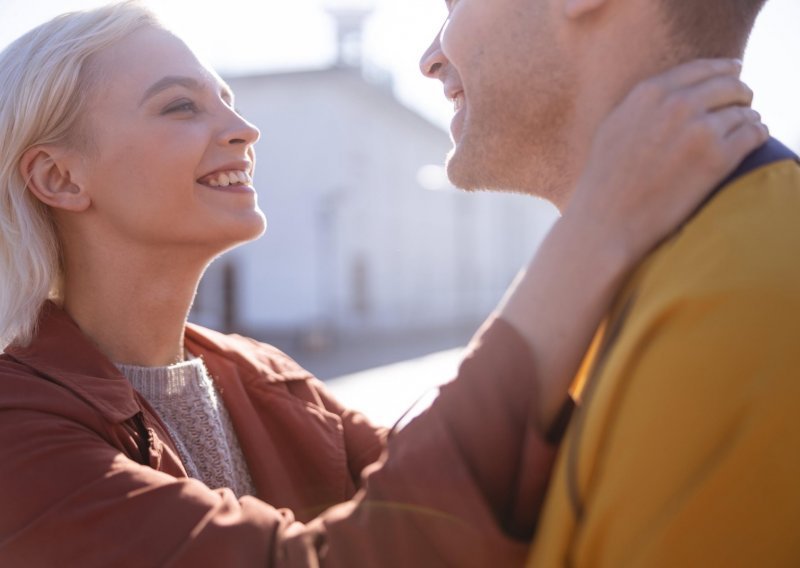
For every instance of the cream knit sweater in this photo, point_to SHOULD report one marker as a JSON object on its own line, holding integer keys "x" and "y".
{"x": 198, "y": 422}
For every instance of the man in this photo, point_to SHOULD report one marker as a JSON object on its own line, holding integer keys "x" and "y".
{"x": 685, "y": 448}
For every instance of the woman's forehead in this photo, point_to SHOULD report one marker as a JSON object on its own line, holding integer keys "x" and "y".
{"x": 147, "y": 56}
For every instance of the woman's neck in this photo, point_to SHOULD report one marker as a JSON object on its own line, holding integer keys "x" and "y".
{"x": 134, "y": 305}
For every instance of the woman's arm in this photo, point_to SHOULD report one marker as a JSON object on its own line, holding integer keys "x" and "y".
{"x": 463, "y": 484}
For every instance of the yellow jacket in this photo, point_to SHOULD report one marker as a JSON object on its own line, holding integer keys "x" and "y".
{"x": 685, "y": 448}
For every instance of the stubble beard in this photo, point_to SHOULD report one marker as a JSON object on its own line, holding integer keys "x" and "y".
{"x": 522, "y": 150}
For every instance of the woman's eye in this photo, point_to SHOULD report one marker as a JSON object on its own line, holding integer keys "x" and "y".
{"x": 183, "y": 106}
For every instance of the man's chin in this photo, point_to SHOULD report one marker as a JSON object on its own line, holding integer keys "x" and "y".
{"x": 463, "y": 172}
{"x": 477, "y": 171}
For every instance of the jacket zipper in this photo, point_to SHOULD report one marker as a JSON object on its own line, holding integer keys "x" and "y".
{"x": 144, "y": 439}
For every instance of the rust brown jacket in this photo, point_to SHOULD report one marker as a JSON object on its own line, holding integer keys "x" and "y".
{"x": 89, "y": 476}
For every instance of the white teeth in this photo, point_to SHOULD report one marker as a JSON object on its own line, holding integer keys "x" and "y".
{"x": 226, "y": 179}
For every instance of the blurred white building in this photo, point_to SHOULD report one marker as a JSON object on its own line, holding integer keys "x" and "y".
{"x": 362, "y": 238}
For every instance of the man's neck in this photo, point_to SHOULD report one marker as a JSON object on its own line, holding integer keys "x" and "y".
{"x": 610, "y": 66}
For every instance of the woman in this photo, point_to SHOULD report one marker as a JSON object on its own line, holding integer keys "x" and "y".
{"x": 135, "y": 439}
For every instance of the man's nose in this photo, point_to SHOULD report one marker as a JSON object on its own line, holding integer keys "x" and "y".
{"x": 433, "y": 59}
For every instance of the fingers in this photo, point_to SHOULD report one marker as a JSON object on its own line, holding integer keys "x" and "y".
{"x": 745, "y": 137}
{"x": 698, "y": 70}
{"x": 699, "y": 86}
{"x": 722, "y": 139}
{"x": 727, "y": 120}
{"x": 718, "y": 92}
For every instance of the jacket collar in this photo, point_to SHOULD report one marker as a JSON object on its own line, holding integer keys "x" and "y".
{"x": 250, "y": 358}
{"x": 63, "y": 354}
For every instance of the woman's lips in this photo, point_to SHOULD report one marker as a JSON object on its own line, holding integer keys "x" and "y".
{"x": 232, "y": 188}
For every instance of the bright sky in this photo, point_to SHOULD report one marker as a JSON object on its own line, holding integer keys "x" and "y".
{"x": 236, "y": 36}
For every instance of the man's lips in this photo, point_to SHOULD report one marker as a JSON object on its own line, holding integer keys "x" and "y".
{"x": 455, "y": 94}
{"x": 459, "y": 103}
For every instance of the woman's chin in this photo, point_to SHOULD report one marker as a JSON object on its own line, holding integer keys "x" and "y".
{"x": 250, "y": 227}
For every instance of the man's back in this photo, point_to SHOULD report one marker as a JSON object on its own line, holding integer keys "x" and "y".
{"x": 686, "y": 449}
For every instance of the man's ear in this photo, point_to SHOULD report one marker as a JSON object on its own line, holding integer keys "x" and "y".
{"x": 46, "y": 171}
{"x": 575, "y": 9}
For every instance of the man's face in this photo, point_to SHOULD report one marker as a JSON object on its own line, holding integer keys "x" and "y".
{"x": 501, "y": 63}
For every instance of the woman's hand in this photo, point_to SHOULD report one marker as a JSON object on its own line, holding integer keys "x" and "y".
{"x": 653, "y": 161}
{"x": 662, "y": 150}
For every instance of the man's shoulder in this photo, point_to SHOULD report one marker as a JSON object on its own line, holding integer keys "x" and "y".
{"x": 724, "y": 287}
{"x": 721, "y": 292}
{"x": 743, "y": 240}
{"x": 693, "y": 386}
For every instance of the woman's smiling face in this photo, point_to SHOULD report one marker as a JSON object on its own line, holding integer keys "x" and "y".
{"x": 168, "y": 161}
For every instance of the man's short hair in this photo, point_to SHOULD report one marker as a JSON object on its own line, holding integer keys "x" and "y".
{"x": 711, "y": 28}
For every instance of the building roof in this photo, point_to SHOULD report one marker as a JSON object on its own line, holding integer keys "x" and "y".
{"x": 375, "y": 82}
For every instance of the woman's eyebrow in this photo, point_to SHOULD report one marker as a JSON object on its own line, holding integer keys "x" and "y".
{"x": 167, "y": 82}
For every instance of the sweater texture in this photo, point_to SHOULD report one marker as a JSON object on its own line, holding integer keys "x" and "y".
{"x": 187, "y": 402}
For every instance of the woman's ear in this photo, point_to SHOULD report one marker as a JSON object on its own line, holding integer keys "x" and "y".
{"x": 46, "y": 171}
{"x": 575, "y": 9}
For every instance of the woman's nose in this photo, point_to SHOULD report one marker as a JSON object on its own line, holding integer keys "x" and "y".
{"x": 241, "y": 131}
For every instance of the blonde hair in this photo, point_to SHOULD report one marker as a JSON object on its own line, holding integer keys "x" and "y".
{"x": 44, "y": 77}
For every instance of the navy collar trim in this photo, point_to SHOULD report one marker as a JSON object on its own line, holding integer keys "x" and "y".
{"x": 771, "y": 152}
